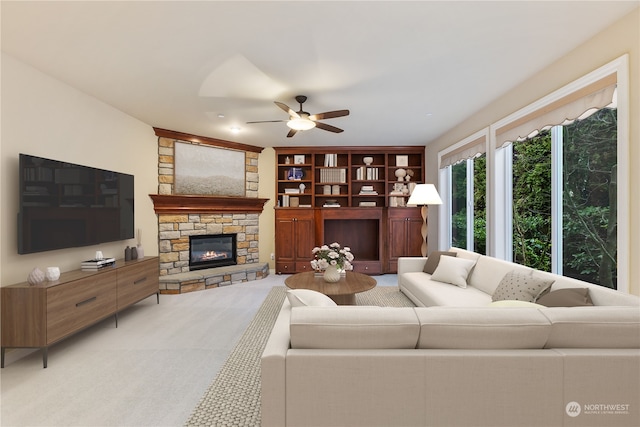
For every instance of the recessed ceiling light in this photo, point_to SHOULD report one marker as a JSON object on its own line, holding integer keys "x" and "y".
{"x": 234, "y": 129}
{"x": 221, "y": 116}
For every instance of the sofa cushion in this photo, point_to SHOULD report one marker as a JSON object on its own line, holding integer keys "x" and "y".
{"x": 593, "y": 327}
{"x": 489, "y": 271}
{"x": 425, "y": 292}
{"x": 482, "y": 328}
{"x": 453, "y": 270}
{"x": 433, "y": 260}
{"x": 353, "y": 327}
{"x": 515, "y": 303}
{"x": 569, "y": 297}
{"x": 520, "y": 286}
{"x": 308, "y": 297}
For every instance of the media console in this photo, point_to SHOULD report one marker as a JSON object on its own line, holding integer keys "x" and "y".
{"x": 37, "y": 316}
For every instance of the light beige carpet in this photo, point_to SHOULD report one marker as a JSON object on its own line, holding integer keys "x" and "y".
{"x": 233, "y": 398}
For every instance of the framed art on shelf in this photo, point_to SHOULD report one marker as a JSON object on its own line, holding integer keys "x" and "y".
{"x": 402, "y": 160}
{"x": 298, "y": 159}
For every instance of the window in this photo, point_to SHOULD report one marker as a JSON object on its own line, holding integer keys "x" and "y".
{"x": 554, "y": 193}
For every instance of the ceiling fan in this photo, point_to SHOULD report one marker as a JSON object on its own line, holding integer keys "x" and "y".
{"x": 301, "y": 120}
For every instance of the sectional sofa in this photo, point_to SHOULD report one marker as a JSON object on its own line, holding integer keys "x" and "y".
{"x": 458, "y": 358}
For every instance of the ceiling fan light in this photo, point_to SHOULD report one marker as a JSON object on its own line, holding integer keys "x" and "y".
{"x": 301, "y": 124}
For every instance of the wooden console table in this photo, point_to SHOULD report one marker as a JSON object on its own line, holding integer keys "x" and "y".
{"x": 37, "y": 316}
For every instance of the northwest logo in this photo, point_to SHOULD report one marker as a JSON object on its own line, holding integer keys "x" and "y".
{"x": 573, "y": 409}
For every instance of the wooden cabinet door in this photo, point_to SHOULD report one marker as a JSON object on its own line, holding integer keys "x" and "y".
{"x": 294, "y": 240}
{"x": 304, "y": 240}
{"x": 74, "y": 305}
{"x": 285, "y": 235}
{"x": 405, "y": 238}
{"x": 137, "y": 281}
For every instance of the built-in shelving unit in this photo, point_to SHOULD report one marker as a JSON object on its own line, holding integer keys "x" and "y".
{"x": 351, "y": 194}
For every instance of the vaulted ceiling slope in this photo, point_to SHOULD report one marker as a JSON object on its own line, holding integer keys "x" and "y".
{"x": 407, "y": 71}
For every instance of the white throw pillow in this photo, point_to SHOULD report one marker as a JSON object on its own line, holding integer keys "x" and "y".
{"x": 308, "y": 298}
{"x": 453, "y": 270}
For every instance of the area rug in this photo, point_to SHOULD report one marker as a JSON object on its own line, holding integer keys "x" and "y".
{"x": 233, "y": 398}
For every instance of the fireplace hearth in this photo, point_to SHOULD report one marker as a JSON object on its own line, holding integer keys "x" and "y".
{"x": 212, "y": 250}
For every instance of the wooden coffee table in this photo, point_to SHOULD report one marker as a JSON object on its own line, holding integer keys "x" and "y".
{"x": 343, "y": 292}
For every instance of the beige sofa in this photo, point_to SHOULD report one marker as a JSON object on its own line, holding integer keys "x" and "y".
{"x": 447, "y": 366}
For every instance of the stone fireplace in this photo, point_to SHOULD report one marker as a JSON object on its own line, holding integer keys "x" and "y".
{"x": 183, "y": 218}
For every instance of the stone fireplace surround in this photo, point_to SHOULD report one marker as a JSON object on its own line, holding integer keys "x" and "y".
{"x": 180, "y": 216}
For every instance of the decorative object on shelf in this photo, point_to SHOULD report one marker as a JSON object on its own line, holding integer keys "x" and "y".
{"x": 400, "y": 174}
{"x": 335, "y": 189}
{"x": 326, "y": 189}
{"x": 332, "y": 255}
{"x": 99, "y": 255}
{"x": 424, "y": 195}
{"x": 402, "y": 160}
{"x": 367, "y": 160}
{"x": 127, "y": 253}
{"x": 139, "y": 247}
{"x": 134, "y": 253}
{"x": 52, "y": 273}
{"x": 409, "y": 175}
{"x": 295, "y": 174}
{"x": 287, "y": 160}
{"x": 36, "y": 276}
{"x": 302, "y": 187}
{"x": 298, "y": 159}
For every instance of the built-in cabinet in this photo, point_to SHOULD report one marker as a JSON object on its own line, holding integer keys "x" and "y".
{"x": 351, "y": 195}
{"x": 37, "y": 316}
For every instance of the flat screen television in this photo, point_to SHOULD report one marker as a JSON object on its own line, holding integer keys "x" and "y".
{"x": 64, "y": 205}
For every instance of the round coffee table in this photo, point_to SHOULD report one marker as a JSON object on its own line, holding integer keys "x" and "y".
{"x": 343, "y": 292}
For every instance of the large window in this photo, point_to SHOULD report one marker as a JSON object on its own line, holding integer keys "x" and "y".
{"x": 550, "y": 190}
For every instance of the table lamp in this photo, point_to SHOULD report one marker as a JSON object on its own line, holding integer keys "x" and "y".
{"x": 424, "y": 195}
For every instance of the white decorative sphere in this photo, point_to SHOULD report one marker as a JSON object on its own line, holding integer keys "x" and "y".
{"x": 36, "y": 276}
{"x": 400, "y": 174}
{"x": 367, "y": 160}
{"x": 52, "y": 274}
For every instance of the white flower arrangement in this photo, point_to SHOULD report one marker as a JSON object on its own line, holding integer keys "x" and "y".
{"x": 332, "y": 254}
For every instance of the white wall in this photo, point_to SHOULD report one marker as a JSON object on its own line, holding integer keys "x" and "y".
{"x": 621, "y": 38}
{"x": 45, "y": 117}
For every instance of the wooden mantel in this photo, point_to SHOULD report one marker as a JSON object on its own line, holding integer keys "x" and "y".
{"x": 191, "y": 204}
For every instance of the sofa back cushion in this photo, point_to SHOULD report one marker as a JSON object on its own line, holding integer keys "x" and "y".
{"x": 463, "y": 253}
{"x": 354, "y": 327}
{"x": 482, "y": 328}
{"x": 593, "y": 327}
{"x": 489, "y": 271}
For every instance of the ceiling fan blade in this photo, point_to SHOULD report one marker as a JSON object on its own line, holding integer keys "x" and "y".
{"x": 286, "y": 109}
{"x": 329, "y": 115}
{"x": 268, "y": 121}
{"x": 330, "y": 128}
{"x": 291, "y": 133}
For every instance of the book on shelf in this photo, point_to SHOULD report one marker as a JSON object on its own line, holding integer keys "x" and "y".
{"x": 331, "y": 205}
{"x": 292, "y": 191}
{"x": 368, "y": 204}
{"x": 333, "y": 175}
{"x": 331, "y": 160}
{"x": 367, "y": 173}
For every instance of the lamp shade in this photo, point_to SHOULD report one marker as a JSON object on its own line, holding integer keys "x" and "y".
{"x": 301, "y": 124}
{"x": 424, "y": 194}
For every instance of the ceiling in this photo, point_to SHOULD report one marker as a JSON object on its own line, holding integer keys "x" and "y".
{"x": 407, "y": 71}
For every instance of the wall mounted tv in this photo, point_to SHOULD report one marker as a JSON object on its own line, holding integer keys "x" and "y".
{"x": 64, "y": 205}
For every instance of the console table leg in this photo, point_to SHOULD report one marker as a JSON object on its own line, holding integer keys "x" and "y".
{"x": 45, "y": 357}
{"x": 115, "y": 316}
{"x": 158, "y": 296}
{"x": 2, "y": 364}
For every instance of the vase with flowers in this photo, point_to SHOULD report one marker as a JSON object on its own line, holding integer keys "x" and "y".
{"x": 332, "y": 259}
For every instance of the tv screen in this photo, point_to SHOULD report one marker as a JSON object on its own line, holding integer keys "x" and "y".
{"x": 64, "y": 205}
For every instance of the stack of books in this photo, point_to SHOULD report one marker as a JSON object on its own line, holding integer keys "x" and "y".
{"x": 97, "y": 264}
{"x": 367, "y": 190}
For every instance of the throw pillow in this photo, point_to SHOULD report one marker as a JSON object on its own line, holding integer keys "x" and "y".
{"x": 308, "y": 298}
{"x": 433, "y": 259}
{"x": 453, "y": 270}
{"x": 568, "y": 297}
{"x": 514, "y": 303}
{"x": 521, "y": 287}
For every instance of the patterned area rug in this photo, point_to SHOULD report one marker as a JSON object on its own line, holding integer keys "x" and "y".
{"x": 233, "y": 398}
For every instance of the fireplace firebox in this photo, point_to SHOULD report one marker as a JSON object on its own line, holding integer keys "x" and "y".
{"x": 212, "y": 250}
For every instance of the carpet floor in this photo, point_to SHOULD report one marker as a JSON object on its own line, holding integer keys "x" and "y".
{"x": 233, "y": 398}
